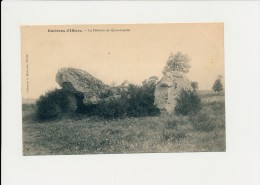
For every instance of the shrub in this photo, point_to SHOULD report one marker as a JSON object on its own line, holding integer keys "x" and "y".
{"x": 106, "y": 93}
{"x": 188, "y": 103}
{"x": 136, "y": 101}
{"x": 55, "y": 102}
{"x": 141, "y": 101}
{"x": 114, "y": 108}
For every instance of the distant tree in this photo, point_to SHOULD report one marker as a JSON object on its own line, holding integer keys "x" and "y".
{"x": 220, "y": 77}
{"x": 125, "y": 83}
{"x": 217, "y": 86}
{"x": 194, "y": 85}
{"x": 178, "y": 62}
{"x": 113, "y": 84}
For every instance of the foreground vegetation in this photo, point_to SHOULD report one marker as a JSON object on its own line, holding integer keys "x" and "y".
{"x": 81, "y": 134}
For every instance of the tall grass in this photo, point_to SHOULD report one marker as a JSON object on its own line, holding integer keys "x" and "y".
{"x": 202, "y": 122}
{"x": 82, "y": 134}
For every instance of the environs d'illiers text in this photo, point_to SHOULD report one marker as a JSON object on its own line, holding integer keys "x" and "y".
{"x": 66, "y": 30}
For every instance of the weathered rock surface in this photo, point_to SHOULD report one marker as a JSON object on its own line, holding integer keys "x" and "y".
{"x": 168, "y": 88}
{"x": 81, "y": 83}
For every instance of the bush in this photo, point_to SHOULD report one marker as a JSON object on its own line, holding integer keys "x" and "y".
{"x": 54, "y": 103}
{"x": 188, "y": 103}
{"x": 141, "y": 101}
{"x": 136, "y": 101}
{"x": 114, "y": 108}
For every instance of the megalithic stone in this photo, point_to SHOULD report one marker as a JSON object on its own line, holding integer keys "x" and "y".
{"x": 81, "y": 83}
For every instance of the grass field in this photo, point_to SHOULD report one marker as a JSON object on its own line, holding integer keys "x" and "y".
{"x": 79, "y": 134}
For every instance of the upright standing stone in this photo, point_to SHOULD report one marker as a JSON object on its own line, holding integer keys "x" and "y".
{"x": 168, "y": 88}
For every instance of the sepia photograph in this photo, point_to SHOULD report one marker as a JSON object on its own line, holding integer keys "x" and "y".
{"x": 123, "y": 88}
{"x": 130, "y": 92}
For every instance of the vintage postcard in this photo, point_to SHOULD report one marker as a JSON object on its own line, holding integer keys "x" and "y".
{"x": 123, "y": 88}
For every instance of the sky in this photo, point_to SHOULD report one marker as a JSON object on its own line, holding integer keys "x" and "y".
{"x": 114, "y": 53}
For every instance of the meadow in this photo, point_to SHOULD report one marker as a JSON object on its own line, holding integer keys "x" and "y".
{"x": 80, "y": 134}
